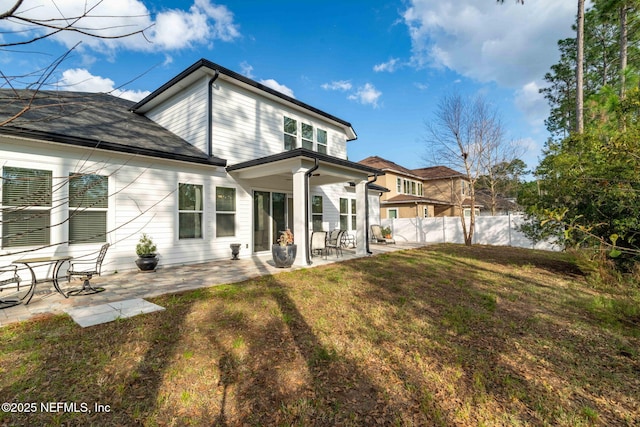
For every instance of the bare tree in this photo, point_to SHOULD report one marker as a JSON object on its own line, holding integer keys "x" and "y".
{"x": 27, "y": 28}
{"x": 460, "y": 135}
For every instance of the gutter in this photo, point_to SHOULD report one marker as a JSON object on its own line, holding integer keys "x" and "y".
{"x": 210, "y": 113}
{"x": 307, "y": 175}
{"x": 366, "y": 212}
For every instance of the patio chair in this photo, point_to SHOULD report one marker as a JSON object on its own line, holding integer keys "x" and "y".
{"x": 319, "y": 243}
{"x": 376, "y": 233}
{"x": 334, "y": 241}
{"x": 9, "y": 278}
{"x": 86, "y": 269}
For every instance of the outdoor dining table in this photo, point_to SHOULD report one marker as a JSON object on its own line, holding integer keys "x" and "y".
{"x": 56, "y": 260}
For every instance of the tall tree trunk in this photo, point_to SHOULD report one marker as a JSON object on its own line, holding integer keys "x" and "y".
{"x": 623, "y": 48}
{"x": 580, "y": 69}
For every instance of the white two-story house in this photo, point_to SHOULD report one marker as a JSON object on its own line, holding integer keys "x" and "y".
{"x": 209, "y": 159}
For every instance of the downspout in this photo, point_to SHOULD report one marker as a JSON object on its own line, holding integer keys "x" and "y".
{"x": 307, "y": 175}
{"x": 210, "y": 114}
{"x": 366, "y": 213}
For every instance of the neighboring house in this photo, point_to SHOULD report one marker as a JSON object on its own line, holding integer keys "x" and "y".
{"x": 504, "y": 206}
{"x": 209, "y": 159}
{"x": 427, "y": 192}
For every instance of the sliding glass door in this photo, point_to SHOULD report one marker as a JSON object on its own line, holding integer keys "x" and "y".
{"x": 272, "y": 213}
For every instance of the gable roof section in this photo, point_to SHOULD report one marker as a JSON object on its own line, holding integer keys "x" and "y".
{"x": 437, "y": 172}
{"x": 204, "y": 68}
{"x": 387, "y": 165}
{"x": 411, "y": 199}
{"x": 93, "y": 120}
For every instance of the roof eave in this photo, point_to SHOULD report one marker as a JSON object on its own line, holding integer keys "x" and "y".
{"x": 109, "y": 146}
{"x": 204, "y": 67}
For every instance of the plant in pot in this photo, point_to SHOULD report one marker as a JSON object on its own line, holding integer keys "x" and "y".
{"x": 284, "y": 251}
{"x": 386, "y": 232}
{"x": 146, "y": 251}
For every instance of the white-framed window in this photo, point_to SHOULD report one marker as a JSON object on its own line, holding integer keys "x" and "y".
{"x": 26, "y": 207}
{"x": 321, "y": 136}
{"x": 392, "y": 213}
{"x": 307, "y": 136}
{"x": 88, "y": 205}
{"x": 399, "y": 185}
{"x": 413, "y": 188}
{"x": 316, "y": 212}
{"x": 353, "y": 214}
{"x": 467, "y": 212}
{"x": 344, "y": 214}
{"x": 420, "y": 189}
{"x": 407, "y": 186}
{"x": 190, "y": 211}
{"x": 225, "y": 212}
{"x": 290, "y": 128}
{"x": 311, "y": 138}
{"x": 347, "y": 214}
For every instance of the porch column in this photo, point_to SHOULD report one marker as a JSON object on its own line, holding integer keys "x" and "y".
{"x": 299, "y": 220}
{"x": 361, "y": 215}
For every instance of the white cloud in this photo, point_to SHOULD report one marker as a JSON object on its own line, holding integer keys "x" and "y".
{"x": 389, "y": 66}
{"x": 530, "y": 101}
{"x": 508, "y": 43}
{"x": 246, "y": 70}
{"x": 169, "y": 29}
{"x": 81, "y": 80}
{"x": 341, "y": 85}
{"x": 271, "y": 83}
{"x": 366, "y": 95}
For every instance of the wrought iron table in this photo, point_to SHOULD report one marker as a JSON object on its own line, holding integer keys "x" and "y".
{"x": 56, "y": 260}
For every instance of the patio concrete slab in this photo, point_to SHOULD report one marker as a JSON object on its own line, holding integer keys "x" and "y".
{"x": 135, "y": 285}
{"x": 103, "y": 313}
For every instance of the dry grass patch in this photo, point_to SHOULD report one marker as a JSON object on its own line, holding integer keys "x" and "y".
{"x": 445, "y": 335}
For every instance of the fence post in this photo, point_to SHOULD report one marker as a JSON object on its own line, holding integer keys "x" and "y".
{"x": 509, "y": 228}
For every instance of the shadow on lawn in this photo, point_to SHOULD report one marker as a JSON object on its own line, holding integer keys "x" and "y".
{"x": 486, "y": 359}
{"x": 285, "y": 375}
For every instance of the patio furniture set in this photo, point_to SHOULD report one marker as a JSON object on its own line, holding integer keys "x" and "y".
{"x": 10, "y": 280}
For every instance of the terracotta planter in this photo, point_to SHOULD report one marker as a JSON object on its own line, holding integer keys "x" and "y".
{"x": 283, "y": 256}
{"x": 147, "y": 262}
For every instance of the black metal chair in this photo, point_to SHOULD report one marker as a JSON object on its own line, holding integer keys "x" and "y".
{"x": 86, "y": 270}
{"x": 334, "y": 241}
{"x": 9, "y": 278}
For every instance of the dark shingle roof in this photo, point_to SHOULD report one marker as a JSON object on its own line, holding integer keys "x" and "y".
{"x": 437, "y": 172}
{"x": 95, "y": 120}
{"x": 384, "y": 164}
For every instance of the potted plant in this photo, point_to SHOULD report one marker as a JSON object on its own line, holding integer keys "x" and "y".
{"x": 284, "y": 251}
{"x": 146, "y": 251}
{"x": 386, "y": 232}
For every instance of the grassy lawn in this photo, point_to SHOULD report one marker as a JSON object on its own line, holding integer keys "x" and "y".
{"x": 444, "y": 335}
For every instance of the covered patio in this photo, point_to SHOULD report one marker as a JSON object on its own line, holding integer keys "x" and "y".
{"x": 133, "y": 285}
{"x": 292, "y": 176}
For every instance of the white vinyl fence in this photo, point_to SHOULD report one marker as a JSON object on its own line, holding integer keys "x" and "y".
{"x": 489, "y": 230}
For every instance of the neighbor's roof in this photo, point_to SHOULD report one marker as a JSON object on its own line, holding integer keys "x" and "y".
{"x": 93, "y": 120}
{"x": 205, "y": 68}
{"x": 437, "y": 172}
{"x": 409, "y": 198}
{"x": 387, "y": 165}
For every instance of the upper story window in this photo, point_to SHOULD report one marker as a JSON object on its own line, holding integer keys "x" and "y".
{"x": 399, "y": 185}
{"x": 307, "y": 136}
{"x": 310, "y": 138}
{"x": 88, "y": 203}
{"x": 26, "y": 207}
{"x": 322, "y": 141}
{"x": 290, "y": 133}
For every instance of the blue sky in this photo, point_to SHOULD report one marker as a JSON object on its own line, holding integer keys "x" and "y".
{"x": 381, "y": 65}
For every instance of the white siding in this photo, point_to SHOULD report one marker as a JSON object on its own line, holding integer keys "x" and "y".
{"x": 185, "y": 114}
{"x": 247, "y": 127}
{"x": 143, "y": 198}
